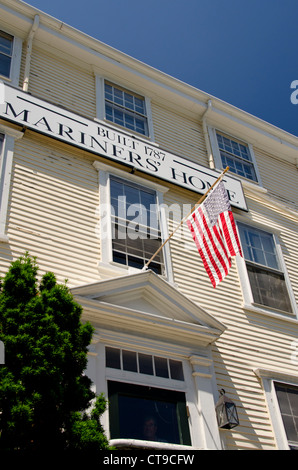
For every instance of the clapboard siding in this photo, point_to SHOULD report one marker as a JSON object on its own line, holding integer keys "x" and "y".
{"x": 57, "y": 81}
{"x": 179, "y": 135}
{"x": 279, "y": 177}
{"x": 53, "y": 207}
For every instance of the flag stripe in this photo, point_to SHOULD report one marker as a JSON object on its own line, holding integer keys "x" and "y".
{"x": 202, "y": 252}
{"x": 215, "y": 234}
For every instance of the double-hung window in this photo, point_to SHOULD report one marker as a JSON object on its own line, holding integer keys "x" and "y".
{"x": 234, "y": 153}
{"x": 6, "y": 49}
{"x": 237, "y": 156}
{"x": 126, "y": 108}
{"x": 136, "y": 233}
{"x": 266, "y": 277}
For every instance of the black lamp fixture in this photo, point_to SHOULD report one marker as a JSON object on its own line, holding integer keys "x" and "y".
{"x": 226, "y": 412}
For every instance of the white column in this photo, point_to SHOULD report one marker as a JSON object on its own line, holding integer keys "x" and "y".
{"x": 203, "y": 374}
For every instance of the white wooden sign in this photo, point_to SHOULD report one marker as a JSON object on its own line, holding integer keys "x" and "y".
{"x": 104, "y": 140}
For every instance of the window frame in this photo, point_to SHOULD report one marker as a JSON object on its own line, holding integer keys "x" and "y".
{"x": 106, "y": 264}
{"x": 116, "y": 388}
{"x": 218, "y": 160}
{"x": 268, "y": 379}
{"x": 101, "y": 108}
{"x": 15, "y": 64}
{"x": 248, "y": 297}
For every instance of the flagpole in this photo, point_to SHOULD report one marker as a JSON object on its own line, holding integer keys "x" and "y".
{"x": 182, "y": 221}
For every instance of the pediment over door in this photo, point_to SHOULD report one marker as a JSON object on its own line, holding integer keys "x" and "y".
{"x": 145, "y": 304}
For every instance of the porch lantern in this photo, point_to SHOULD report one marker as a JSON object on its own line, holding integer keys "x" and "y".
{"x": 226, "y": 412}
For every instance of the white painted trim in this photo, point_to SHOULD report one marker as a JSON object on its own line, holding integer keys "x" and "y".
{"x": 99, "y": 97}
{"x": 6, "y": 161}
{"x": 149, "y": 119}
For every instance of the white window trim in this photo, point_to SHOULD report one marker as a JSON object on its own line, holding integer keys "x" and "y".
{"x": 268, "y": 377}
{"x": 6, "y": 161}
{"x": 15, "y": 61}
{"x": 217, "y": 158}
{"x": 100, "y": 109}
{"x": 245, "y": 283}
{"x": 106, "y": 264}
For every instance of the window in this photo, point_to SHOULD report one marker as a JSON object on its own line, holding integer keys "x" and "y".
{"x": 6, "y": 48}
{"x": 1, "y": 144}
{"x": 147, "y": 413}
{"x": 136, "y": 234}
{"x": 237, "y": 156}
{"x": 287, "y": 397}
{"x": 125, "y": 108}
{"x": 267, "y": 280}
{"x": 144, "y": 364}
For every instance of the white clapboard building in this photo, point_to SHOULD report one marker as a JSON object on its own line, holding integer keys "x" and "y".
{"x": 101, "y": 158}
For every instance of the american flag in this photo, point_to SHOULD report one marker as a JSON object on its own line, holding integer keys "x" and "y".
{"x": 214, "y": 231}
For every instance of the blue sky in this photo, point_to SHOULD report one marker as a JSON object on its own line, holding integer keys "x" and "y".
{"x": 244, "y": 52}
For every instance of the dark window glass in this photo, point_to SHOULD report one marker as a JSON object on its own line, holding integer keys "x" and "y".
{"x": 6, "y": 45}
{"x": 161, "y": 367}
{"x": 288, "y": 402}
{"x": 145, "y": 364}
{"x": 113, "y": 358}
{"x": 147, "y": 413}
{"x": 129, "y": 361}
{"x": 176, "y": 370}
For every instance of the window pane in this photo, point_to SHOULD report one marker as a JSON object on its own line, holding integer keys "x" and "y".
{"x": 6, "y": 43}
{"x": 176, "y": 370}
{"x": 161, "y": 367}
{"x": 4, "y": 65}
{"x": 129, "y": 359}
{"x": 269, "y": 288}
{"x": 258, "y": 246}
{"x": 145, "y": 364}
{"x": 126, "y": 109}
{"x": 113, "y": 358}
{"x": 288, "y": 401}
{"x": 147, "y": 413}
